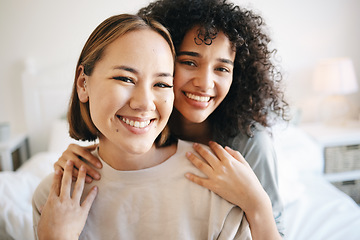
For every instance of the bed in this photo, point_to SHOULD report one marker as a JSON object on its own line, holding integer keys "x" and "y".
{"x": 314, "y": 209}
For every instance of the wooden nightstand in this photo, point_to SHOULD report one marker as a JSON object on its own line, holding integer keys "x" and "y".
{"x": 14, "y": 152}
{"x": 340, "y": 145}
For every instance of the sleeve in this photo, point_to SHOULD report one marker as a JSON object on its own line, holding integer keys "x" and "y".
{"x": 235, "y": 226}
{"x": 259, "y": 152}
{"x": 39, "y": 199}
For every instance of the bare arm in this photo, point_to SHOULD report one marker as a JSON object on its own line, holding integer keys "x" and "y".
{"x": 76, "y": 154}
{"x": 231, "y": 177}
{"x": 63, "y": 216}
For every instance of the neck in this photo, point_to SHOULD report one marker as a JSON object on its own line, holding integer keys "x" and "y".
{"x": 124, "y": 160}
{"x": 190, "y": 131}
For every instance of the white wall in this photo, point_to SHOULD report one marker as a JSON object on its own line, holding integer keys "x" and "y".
{"x": 305, "y": 32}
{"x": 51, "y": 32}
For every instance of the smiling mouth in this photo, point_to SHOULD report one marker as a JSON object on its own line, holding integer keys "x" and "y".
{"x": 134, "y": 123}
{"x": 197, "y": 97}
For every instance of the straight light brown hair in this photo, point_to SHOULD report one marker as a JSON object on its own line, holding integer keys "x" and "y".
{"x": 80, "y": 122}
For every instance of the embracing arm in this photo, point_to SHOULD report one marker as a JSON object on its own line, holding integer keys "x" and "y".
{"x": 77, "y": 155}
{"x": 231, "y": 177}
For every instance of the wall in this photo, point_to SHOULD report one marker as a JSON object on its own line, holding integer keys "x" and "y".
{"x": 46, "y": 32}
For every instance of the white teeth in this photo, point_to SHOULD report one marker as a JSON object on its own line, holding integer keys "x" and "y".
{"x": 136, "y": 124}
{"x": 197, "y": 98}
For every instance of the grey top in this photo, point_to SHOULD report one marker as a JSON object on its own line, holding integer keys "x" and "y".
{"x": 259, "y": 152}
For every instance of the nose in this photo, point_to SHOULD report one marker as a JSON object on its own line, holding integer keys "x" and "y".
{"x": 204, "y": 79}
{"x": 142, "y": 99}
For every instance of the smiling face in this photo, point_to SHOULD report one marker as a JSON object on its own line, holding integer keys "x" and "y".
{"x": 130, "y": 91}
{"x": 203, "y": 75}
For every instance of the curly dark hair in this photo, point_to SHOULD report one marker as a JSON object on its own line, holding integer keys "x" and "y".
{"x": 255, "y": 95}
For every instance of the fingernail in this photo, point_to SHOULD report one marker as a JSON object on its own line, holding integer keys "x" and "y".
{"x": 88, "y": 179}
{"x": 187, "y": 154}
{"x": 97, "y": 176}
{"x": 69, "y": 162}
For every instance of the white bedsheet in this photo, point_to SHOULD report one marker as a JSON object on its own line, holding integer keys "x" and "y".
{"x": 16, "y": 190}
{"x": 314, "y": 209}
{"x": 322, "y": 212}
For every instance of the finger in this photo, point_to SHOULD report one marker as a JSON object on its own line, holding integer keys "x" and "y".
{"x": 77, "y": 154}
{"x": 66, "y": 180}
{"x": 92, "y": 174}
{"x": 91, "y": 147}
{"x": 79, "y": 185}
{"x": 58, "y": 168}
{"x": 55, "y": 187}
{"x": 198, "y": 180}
{"x": 199, "y": 164}
{"x": 90, "y": 198}
{"x": 237, "y": 155}
{"x": 207, "y": 155}
{"x": 60, "y": 164}
{"x": 219, "y": 151}
{"x": 88, "y": 178}
{"x": 85, "y": 153}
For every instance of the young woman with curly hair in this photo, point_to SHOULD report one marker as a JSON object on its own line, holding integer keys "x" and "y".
{"x": 227, "y": 90}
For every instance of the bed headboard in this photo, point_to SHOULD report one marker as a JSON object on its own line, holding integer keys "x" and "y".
{"x": 46, "y": 93}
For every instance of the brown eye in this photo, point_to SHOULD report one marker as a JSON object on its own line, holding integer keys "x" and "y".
{"x": 124, "y": 79}
{"x": 222, "y": 69}
{"x": 163, "y": 85}
{"x": 189, "y": 63}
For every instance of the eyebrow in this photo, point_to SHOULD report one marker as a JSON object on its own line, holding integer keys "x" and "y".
{"x": 133, "y": 70}
{"x": 188, "y": 53}
{"x": 195, "y": 54}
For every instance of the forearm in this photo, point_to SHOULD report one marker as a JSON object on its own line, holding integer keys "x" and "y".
{"x": 262, "y": 222}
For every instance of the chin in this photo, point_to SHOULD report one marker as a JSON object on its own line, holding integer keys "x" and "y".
{"x": 139, "y": 148}
{"x": 195, "y": 118}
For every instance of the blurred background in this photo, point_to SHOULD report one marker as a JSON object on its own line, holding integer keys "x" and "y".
{"x": 42, "y": 33}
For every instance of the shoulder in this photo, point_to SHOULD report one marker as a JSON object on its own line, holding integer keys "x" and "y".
{"x": 261, "y": 143}
{"x": 42, "y": 191}
{"x": 183, "y": 165}
{"x": 258, "y": 151}
{"x": 187, "y": 146}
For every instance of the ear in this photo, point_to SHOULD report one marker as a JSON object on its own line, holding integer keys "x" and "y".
{"x": 81, "y": 85}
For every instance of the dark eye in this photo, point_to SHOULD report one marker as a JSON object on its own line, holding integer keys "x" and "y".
{"x": 222, "y": 69}
{"x": 189, "y": 63}
{"x": 124, "y": 79}
{"x": 163, "y": 85}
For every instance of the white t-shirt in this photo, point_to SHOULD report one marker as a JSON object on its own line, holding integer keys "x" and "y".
{"x": 155, "y": 203}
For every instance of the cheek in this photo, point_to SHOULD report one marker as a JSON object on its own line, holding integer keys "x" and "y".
{"x": 177, "y": 91}
{"x": 166, "y": 104}
{"x": 181, "y": 77}
{"x": 107, "y": 101}
{"x": 224, "y": 88}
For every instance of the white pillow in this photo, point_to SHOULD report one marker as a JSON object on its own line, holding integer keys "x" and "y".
{"x": 298, "y": 155}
